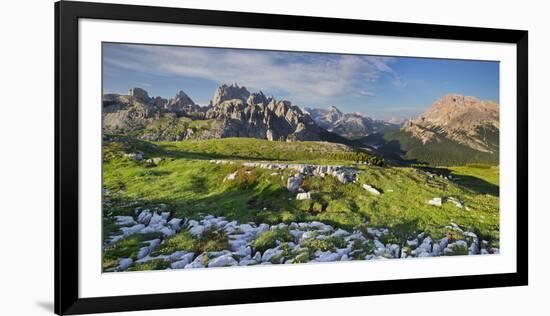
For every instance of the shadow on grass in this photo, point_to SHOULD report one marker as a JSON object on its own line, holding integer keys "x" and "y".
{"x": 471, "y": 183}
{"x": 169, "y": 151}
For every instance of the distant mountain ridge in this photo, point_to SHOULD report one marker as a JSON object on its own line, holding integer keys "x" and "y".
{"x": 349, "y": 125}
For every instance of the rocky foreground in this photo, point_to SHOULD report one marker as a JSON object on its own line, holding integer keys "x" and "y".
{"x": 304, "y": 242}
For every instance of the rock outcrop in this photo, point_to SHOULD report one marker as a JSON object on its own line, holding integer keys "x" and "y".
{"x": 233, "y": 112}
{"x": 253, "y": 115}
{"x": 136, "y": 110}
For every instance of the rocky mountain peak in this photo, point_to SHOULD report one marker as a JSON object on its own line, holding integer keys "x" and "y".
{"x": 139, "y": 94}
{"x": 257, "y": 98}
{"x": 181, "y": 104}
{"x": 463, "y": 119}
{"x": 230, "y": 92}
{"x": 244, "y": 114}
{"x": 458, "y": 111}
{"x": 334, "y": 109}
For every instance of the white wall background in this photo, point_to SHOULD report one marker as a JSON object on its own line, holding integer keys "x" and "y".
{"x": 26, "y": 156}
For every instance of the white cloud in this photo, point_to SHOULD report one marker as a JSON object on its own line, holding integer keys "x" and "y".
{"x": 364, "y": 93}
{"x": 301, "y": 77}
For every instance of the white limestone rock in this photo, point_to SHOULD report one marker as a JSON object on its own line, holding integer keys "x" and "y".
{"x": 435, "y": 201}
{"x": 371, "y": 189}
{"x": 197, "y": 230}
{"x": 231, "y": 176}
{"x": 144, "y": 217}
{"x": 270, "y": 253}
{"x": 132, "y": 230}
{"x": 223, "y": 261}
{"x": 123, "y": 264}
{"x": 125, "y": 220}
{"x": 183, "y": 261}
{"x": 294, "y": 182}
{"x": 194, "y": 265}
{"x": 328, "y": 257}
{"x": 175, "y": 223}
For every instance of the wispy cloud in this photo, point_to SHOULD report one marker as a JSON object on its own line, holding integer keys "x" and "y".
{"x": 363, "y": 93}
{"x": 300, "y": 77}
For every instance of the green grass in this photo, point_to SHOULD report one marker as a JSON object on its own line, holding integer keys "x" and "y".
{"x": 482, "y": 172}
{"x": 258, "y": 149}
{"x": 268, "y": 239}
{"x": 191, "y": 186}
{"x": 158, "y": 264}
{"x": 184, "y": 241}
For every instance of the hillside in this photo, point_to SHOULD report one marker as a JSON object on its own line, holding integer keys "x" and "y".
{"x": 249, "y": 182}
{"x": 454, "y": 130}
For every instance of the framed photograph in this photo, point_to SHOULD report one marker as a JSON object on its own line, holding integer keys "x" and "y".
{"x": 209, "y": 157}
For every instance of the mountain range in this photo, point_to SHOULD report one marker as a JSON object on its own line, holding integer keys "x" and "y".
{"x": 232, "y": 112}
{"x": 454, "y": 130}
{"x": 349, "y": 125}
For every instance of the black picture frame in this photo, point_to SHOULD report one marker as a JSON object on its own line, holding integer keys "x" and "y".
{"x": 67, "y": 15}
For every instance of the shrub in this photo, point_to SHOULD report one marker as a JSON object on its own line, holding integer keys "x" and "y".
{"x": 268, "y": 239}
{"x": 212, "y": 240}
{"x": 314, "y": 244}
{"x": 181, "y": 241}
{"x": 150, "y": 265}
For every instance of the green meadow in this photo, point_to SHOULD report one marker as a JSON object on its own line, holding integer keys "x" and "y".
{"x": 190, "y": 186}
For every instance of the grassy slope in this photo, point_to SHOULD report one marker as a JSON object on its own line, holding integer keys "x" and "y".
{"x": 251, "y": 149}
{"x": 192, "y": 186}
{"x": 442, "y": 153}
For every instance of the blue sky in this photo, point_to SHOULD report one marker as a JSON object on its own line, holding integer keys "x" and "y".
{"x": 381, "y": 87}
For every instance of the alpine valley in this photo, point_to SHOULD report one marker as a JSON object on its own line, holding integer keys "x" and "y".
{"x": 249, "y": 180}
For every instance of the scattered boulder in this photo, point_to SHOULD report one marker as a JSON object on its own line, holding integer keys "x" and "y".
{"x": 270, "y": 253}
{"x": 175, "y": 223}
{"x": 435, "y": 201}
{"x": 303, "y": 196}
{"x": 223, "y": 261}
{"x": 365, "y": 244}
{"x": 197, "y": 230}
{"x": 183, "y": 262}
{"x": 132, "y": 230}
{"x": 123, "y": 264}
{"x": 457, "y": 248}
{"x": 144, "y": 217}
{"x": 328, "y": 256}
{"x": 371, "y": 189}
{"x": 138, "y": 155}
{"x": 125, "y": 220}
{"x": 294, "y": 182}
{"x": 456, "y": 202}
{"x": 231, "y": 176}
{"x": 194, "y": 265}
